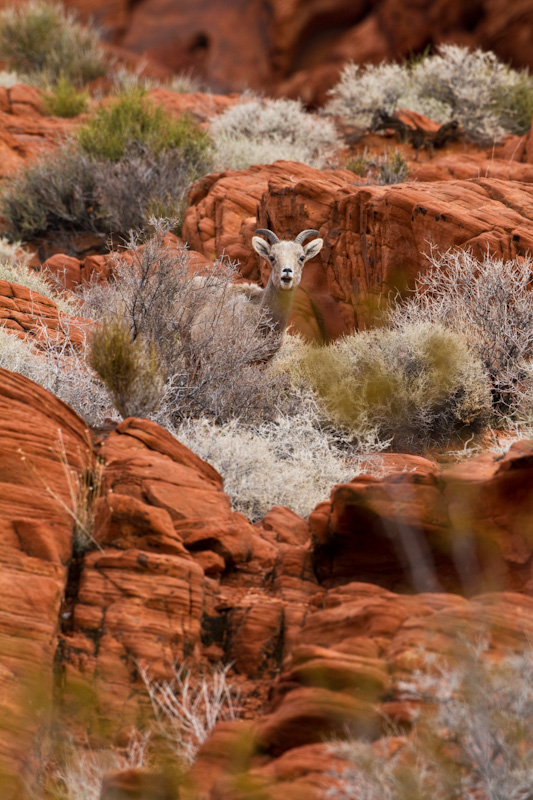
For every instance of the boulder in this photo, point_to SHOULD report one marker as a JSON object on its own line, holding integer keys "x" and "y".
{"x": 29, "y": 315}
{"x": 465, "y": 530}
{"x": 44, "y": 452}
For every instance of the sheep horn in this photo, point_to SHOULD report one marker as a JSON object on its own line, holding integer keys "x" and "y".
{"x": 270, "y": 235}
{"x": 304, "y": 234}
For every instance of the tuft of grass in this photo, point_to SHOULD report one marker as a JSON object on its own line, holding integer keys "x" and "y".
{"x": 64, "y": 99}
{"x": 45, "y": 41}
{"x": 417, "y": 385}
{"x": 387, "y": 169}
{"x": 128, "y": 366}
{"x": 133, "y": 119}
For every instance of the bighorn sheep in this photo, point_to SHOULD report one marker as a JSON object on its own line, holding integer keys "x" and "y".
{"x": 287, "y": 259}
{"x": 274, "y": 302}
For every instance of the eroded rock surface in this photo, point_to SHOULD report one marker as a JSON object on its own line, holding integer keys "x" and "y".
{"x": 376, "y": 238}
{"x": 152, "y": 566}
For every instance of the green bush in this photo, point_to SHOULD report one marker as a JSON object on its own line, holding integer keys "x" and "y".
{"x": 64, "y": 99}
{"x": 130, "y": 160}
{"x": 129, "y": 368}
{"x": 45, "y": 41}
{"x": 134, "y": 120}
{"x": 416, "y": 386}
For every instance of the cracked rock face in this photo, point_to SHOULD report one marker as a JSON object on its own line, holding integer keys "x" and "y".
{"x": 172, "y": 573}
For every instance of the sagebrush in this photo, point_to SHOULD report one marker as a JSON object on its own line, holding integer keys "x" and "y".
{"x": 415, "y": 386}
{"x": 489, "y": 302}
{"x": 260, "y": 131}
{"x": 483, "y": 95}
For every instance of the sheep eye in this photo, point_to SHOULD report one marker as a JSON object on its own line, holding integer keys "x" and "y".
{"x": 301, "y": 258}
{"x": 271, "y": 259}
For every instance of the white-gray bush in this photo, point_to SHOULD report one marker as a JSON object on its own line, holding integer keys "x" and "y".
{"x": 489, "y": 302}
{"x": 261, "y": 131}
{"x": 290, "y": 461}
{"x": 472, "y": 738}
{"x": 485, "y": 96}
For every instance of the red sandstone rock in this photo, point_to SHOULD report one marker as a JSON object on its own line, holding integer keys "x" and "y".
{"x": 298, "y": 47}
{"x": 28, "y": 314}
{"x": 139, "y": 784}
{"x": 466, "y": 530}
{"x": 376, "y": 237}
{"x": 44, "y": 448}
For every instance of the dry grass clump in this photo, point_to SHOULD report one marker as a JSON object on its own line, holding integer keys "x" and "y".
{"x": 389, "y": 168}
{"x": 415, "y": 386}
{"x": 261, "y": 131}
{"x": 489, "y": 302}
{"x": 187, "y": 707}
{"x": 483, "y": 95}
{"x": 45, "y": 41}
{"x": 471, "y": 740}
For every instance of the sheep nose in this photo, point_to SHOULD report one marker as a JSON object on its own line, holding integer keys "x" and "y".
{"x": 286, "y": 272}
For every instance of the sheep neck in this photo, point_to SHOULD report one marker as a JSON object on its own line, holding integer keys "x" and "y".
{"x": 279, "y": 304}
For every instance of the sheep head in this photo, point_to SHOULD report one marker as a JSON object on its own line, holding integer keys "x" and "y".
{"x": 286, "y": 258}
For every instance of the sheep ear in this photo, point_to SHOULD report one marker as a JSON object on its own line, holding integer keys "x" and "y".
{"x": 260, "y": 246}
{"x": 313, "y": 248}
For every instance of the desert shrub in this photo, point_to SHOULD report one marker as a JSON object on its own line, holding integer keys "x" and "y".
{"x": 486, "y": 97}
{"x": 290, "y": 461}
{"x": 9, "y": 78}
{"x": 141, "y": 185}
{"x": 133, "y": 119}
{"x": 61, "y": 369}
{"x": 473, "y": 740}
{"x": 416, "y": 386}
{"x": 128, "y": 366}
{"x": 260, "y": 131}
{"x": 488, "y": 301}
{"x": 64, "y": 99}
{"x": 389, "y": 168}
{"x": 19, "y": 355}
{"x": 45, "y": 41}
{"x": 55, "y": 193}
{"x": 109, "y": 185}
{"x": 211, "y": 342}
{"x": 364, "y": 90}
